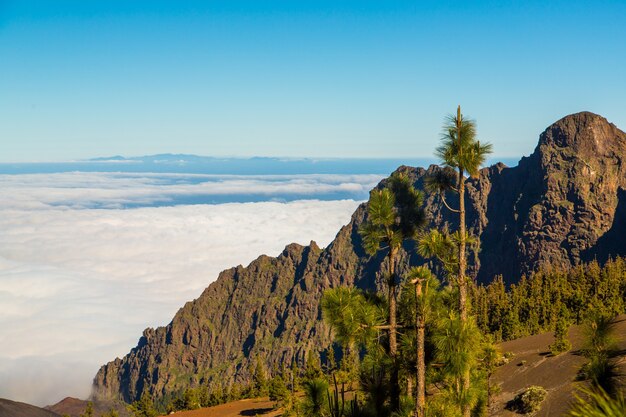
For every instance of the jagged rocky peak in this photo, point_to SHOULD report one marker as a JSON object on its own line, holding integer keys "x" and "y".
{"x": 556, "y": 205}
{"x": 584, "y": 134}
{"x": 564, "y": 204}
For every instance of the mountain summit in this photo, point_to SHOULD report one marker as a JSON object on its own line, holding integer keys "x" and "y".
{"x": 556, "y": 204}
{"x": 564, "y": 204}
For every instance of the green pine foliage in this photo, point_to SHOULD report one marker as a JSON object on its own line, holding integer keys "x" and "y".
{"x": 315, "y": 397}
{"x": 535, "y": 303}
{"x": 313, "y": 368}
{"x": 278, "y": 390}
{"x": 597, "y": 403}
{"x": 144, "y": 407}
{"x": 599, "y": 345}
{"x": 561, "y": 342}
{"x": 458, "y": 345}
{"x": 260, "y": 382}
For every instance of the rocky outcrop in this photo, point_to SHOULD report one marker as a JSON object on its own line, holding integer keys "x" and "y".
{"x": 564, "y": 204}
{"x": 558, "y": 206}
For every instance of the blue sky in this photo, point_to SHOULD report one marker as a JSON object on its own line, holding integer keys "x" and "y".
{"x": 80, "y": 79}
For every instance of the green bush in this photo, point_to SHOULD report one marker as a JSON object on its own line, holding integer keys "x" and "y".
{"x": 529, "y": 401}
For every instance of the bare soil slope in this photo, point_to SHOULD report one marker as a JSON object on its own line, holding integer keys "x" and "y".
{"x": 258, "y": 406}
{"x": 534, "y": 365}
{"x": 10, "y": 408}
{"x": 75, "y": 407}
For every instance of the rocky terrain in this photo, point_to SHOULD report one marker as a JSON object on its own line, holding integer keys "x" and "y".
{"x": 532, "y": 364}
{"x": 564, "y": 204}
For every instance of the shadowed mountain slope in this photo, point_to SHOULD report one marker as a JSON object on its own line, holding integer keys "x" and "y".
{"x": 558, "y": 206}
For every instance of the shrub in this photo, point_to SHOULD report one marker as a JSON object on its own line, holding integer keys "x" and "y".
{"x": 529, "y": 401}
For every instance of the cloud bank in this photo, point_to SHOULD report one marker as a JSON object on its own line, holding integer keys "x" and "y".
{"x": 80, "y": 190}
{"x": 79, "y": 284}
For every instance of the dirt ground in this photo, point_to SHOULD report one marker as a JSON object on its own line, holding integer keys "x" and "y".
{"x": 534, "y": 365}
{"x": 252, "y": 407}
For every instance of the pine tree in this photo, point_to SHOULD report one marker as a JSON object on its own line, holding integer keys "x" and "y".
{"x": 394, "y": 214}
{"x": 144, "y": 407}
{"x": 313, "y": 368}
{"x": 277, "y": 389}
{"x": 459, "y": 150}
{"x": 353, "y": 320}
{"x": 561, "y": 342}
{"x": 259, "y": 378}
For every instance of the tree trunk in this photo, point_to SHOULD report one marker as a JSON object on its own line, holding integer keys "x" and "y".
{"x": 488, "y": 391}
{"x": 409, "y": 385}
{"x": 420, "y": 325}
{"x": 393, "y": 344}
{"x": 462, "y": 258}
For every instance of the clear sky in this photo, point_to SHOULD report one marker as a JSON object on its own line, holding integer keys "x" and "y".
{"x": 80, "y": 79}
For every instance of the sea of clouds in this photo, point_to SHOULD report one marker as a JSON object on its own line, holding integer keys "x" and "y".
{"x": 88, "y": 260}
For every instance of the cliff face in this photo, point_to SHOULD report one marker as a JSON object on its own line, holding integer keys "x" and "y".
{"x": 564, "y": 204}
{"x": 557, "y": 206}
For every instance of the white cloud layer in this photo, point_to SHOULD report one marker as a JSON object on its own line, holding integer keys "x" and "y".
{"x": 78, "y": 285}
{"x": 118, "y": 190}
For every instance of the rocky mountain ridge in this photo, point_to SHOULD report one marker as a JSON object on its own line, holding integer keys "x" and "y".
{"x": 564, "y": 204}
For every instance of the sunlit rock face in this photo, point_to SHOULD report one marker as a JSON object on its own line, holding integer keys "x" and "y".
{"x": 562, "y": 205}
